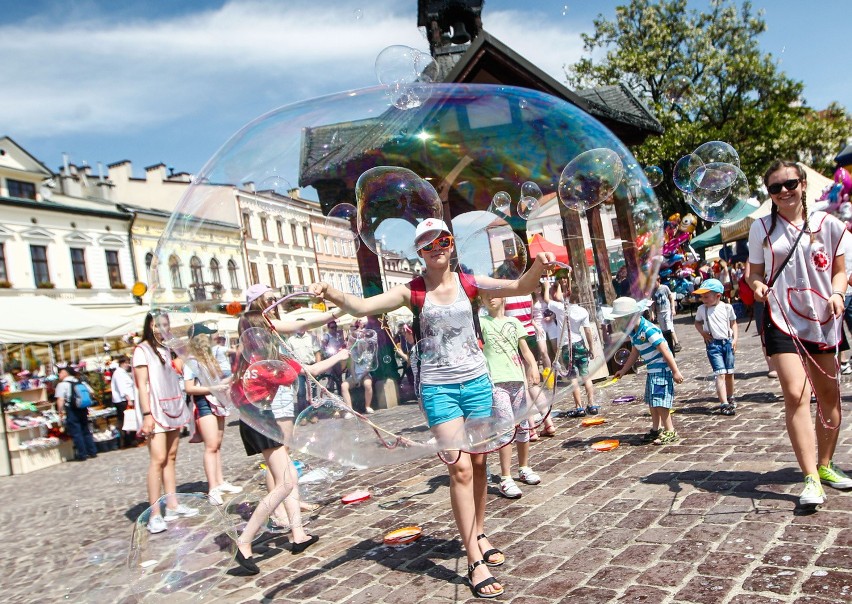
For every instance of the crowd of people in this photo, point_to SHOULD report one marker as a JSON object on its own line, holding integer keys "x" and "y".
{"x": 531, "y": 330}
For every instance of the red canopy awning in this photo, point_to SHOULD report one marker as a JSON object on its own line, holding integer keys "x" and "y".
{"x": 539, "y": 244}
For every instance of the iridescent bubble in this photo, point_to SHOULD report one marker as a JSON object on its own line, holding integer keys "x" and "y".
{"x": 717, "y": 152}
{"x": 403, "y": 71}
{"x": 723, "y": 205}
{"x": 240, "y": 509}
{"x": 262, "y": 380}
{"x": 715, "y": 176}
{"x": 363, "y": 348}
{"x": 358, "y": 14}
{"x": 654, "y": 174}
{"x": 526, "y": 207}
{"x": 676, "y": 87}
{"x": 274, "y": 185}
{"x": 391, "y": 203}
{"x": 186, "y": 560}
{"x": 501, "y": 202}
{"x": 341, "y": 224}
{"x": 487, "y": 246}
{"x": 590, "y": 178}
{"x": 621, "y": 356}
{"x": 684, "y": 168}
{"x": 531, "y": 189}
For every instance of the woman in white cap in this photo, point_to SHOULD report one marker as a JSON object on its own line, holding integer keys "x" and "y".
{"x": 455, "y": 385}
{"x": 797, "y": 267}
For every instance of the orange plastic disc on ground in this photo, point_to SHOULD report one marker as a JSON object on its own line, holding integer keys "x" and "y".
{"x": 404, "y": 535}
{"x": 605, "y": 445}
{"x": 593, "y": 421}
{"x": 355, "y": 497}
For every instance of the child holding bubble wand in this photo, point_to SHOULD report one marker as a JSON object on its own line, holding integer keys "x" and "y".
{"x": 452, "y": 391}
{"x": 663, "y": 373}
{"x": 282, "y": 477}
{"x": 797, "y": 267}
{"x": 503, "y": 338}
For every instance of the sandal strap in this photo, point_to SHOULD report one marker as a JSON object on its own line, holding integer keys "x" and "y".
{"x": 471, "y": 567}
{"x": 485, "y": 583}
{"x": 491, "y": 552}
{"x": 480, "y": 537}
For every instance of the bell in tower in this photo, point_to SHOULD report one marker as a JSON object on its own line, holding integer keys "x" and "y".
{"x": 450, "y": 24}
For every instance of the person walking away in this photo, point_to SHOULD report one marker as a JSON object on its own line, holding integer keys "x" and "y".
{"x": 664, "y": 310}
{"x": 717, "y": 323}
{"x": 307, "y": 351}
{"x": 503, "y": 338}
{"x": 123, "y": 392}
{"x": 71, "y": 396}
{"x": 663, "y": 373}
{"x": 798, "y": 268}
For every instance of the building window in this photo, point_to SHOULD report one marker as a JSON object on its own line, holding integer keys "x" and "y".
{"x": 4, "y": 275}
{"x": 318, "y": 243}
{"x": 280, "y": 228}
{"x": 263, "y": 229}
{"x": 327, "y": 248}
{"x": 336, "y": 246}
{"x": 271, "y": 269}
{"x": 195, "y": 271}
{"x": 287, "y": 279}
{"x": 247, "y": 225}
{"x": 113, "y": 270}
{"x": 78, "y": 266}
{"x": 41, "y": 273}
{"x": 306, "y": 236}
{"x": 255, "y": 278}
{"x": 300, "y": 275}
{"x": 313, "y": 276}
{"x": 232, "y": 273}
{"x": 21, "y": 190}
{"x": 215, "y": 273}
{"x": 174, "y": 270}
{"x": 293, "y": 232}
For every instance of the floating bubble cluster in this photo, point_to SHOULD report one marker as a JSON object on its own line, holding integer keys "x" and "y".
{"x": 712, "y": 182}
{"x": 590, "y": 179}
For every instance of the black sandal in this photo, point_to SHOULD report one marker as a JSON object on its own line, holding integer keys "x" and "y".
{"x": 492, "y": 552}
{"x": 477, "y": 589}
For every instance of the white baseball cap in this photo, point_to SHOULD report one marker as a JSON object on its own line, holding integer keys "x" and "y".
{"x": 428, "y": 230}
{"x": 256, "y": 291}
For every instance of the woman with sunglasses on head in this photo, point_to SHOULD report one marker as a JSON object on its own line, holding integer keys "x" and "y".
{"x": 455, "y": 385}
{"x": 164, "y": 413}
{"x": 797, "y": 267}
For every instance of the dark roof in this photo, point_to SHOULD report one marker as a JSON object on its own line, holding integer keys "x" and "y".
{"x": 620, "y": 103}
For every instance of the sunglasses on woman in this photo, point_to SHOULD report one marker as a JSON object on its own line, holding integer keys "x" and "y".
{"x": 791, "y": 184}
{"x": 442, "y": 242}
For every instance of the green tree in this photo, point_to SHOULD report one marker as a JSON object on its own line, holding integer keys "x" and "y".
{"x": 705, "y": 78}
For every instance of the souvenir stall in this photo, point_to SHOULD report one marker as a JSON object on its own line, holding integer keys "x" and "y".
{"x": 30, "y": 329}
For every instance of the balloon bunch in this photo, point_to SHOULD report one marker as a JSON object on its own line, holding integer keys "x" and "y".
{"x": 680, "y": 262}
{"x": 835, "y": 197}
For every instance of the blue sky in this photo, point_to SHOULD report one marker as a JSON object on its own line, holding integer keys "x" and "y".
{"x": 170, "y": 81}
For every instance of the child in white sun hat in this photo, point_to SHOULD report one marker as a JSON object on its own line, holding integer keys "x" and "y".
{"x": 648, "y": 341}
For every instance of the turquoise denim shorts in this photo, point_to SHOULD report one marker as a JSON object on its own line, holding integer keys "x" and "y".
{"x": 444, "y": 402}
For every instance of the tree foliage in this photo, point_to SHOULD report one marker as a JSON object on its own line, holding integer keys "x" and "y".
{"x": 733, "y": 92}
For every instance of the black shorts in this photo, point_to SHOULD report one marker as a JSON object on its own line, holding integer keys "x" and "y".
{"x": 254, "y": 442}
{"x": 778, "y": 342}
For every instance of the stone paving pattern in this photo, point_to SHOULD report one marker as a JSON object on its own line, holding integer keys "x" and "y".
{"x": 709, "y": 520}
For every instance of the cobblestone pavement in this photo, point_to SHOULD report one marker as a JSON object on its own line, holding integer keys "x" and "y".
{"x": 708, "y": 520}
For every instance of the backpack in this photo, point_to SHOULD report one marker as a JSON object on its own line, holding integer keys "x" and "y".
{"x": 80, "y": 397}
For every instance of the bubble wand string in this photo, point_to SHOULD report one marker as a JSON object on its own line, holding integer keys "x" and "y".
{"x": 800, "y": 349}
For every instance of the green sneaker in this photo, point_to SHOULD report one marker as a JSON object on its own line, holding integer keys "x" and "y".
{"x": 812, "y": 495}
{"x": 834, "y": 476}
{"x": 667, "y": 438}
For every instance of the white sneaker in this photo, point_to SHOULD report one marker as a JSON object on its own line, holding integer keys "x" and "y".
{"x": 181, "y": 511}
{"x": 348, "y": 415}
{"x": 846, "y": 369}
{"x": 227, "y": 487}
{"x": 812, "y": 495}
{"x": 509, "y": 489}
{"x": 215, "y": 496}
{"x": 156, "y": 524}
{"x": 528, "y": 476}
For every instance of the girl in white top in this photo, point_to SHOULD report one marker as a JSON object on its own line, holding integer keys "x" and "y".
{"x": 803, "y": 304}
{"x": 445, "y": 300}
{"x": 164, "y": 413}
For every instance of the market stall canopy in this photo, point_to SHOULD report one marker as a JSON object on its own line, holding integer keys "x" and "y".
{"x": 844, "y": 158}
{"x": 539, "y": 244}
{"x": 30, "y": 319}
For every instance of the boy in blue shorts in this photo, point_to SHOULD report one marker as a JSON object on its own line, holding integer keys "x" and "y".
{"x": 648, "y": 341}
{"x": 717, "y": 323}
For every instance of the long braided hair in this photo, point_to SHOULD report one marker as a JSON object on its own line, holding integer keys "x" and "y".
{"x": 776, "y": 165}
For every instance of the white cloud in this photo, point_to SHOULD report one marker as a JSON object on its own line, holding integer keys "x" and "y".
{"x": 92, "y": 74}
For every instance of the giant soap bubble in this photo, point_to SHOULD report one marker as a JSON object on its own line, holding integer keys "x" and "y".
{"x": 447, "y": 155}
